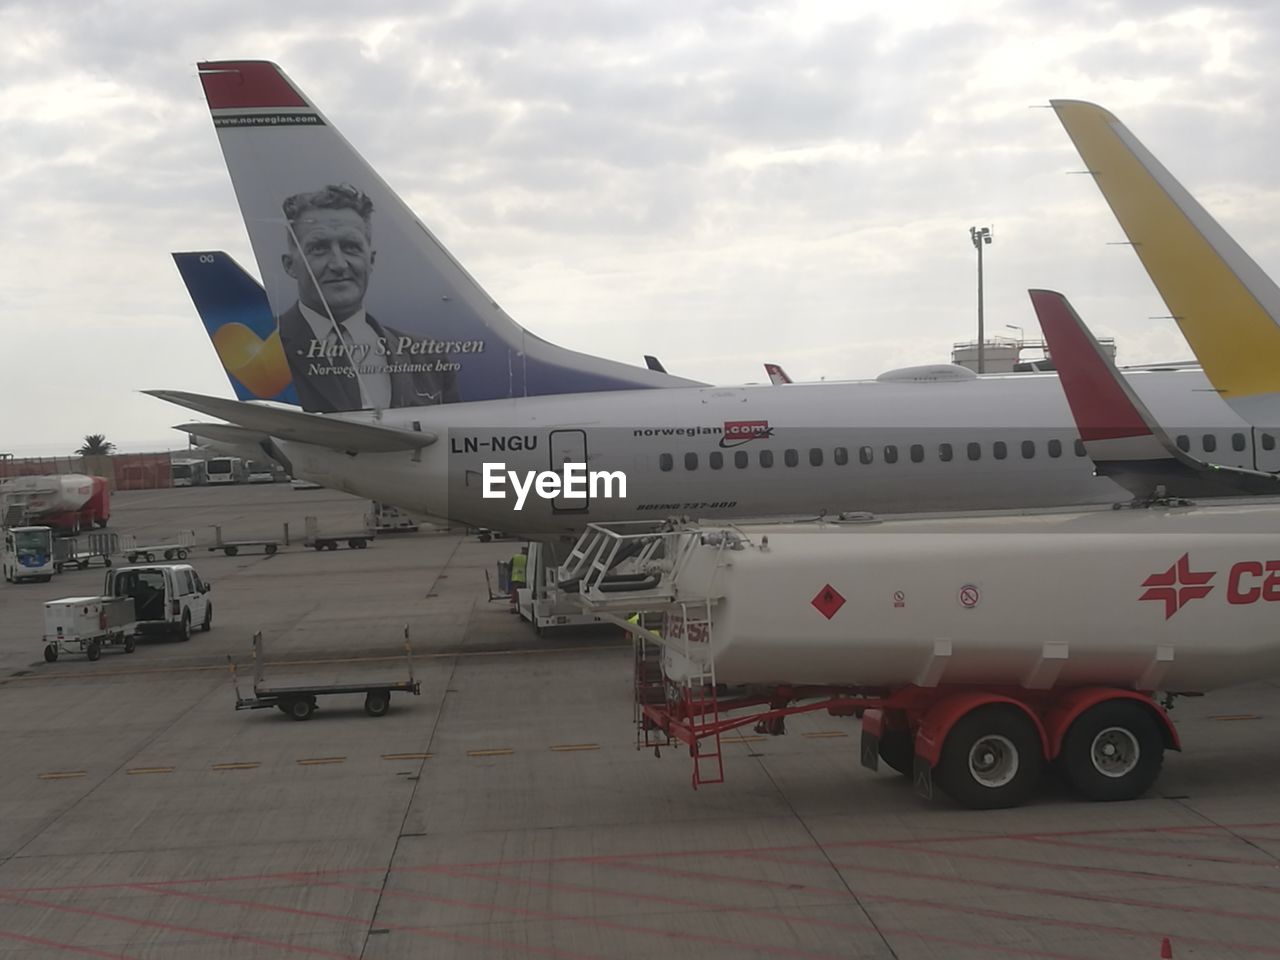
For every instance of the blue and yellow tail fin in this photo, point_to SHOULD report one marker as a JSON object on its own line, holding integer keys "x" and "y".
{"x": 235, "y": 312}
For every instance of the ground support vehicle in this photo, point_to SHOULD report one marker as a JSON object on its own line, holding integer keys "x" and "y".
{"x": 299, "y": 701}
{"x": 176, "y": 548}
{"x": 80, "y": 552}
{"x": 232, "y": 547}
{"x": 87, "y": 625}
{"x": 976, "y": 650}
{"x": 169, "y": 599}
{"x": 541, "y": 602}
{"x": 27, "y": 554}
{"x": 384, "y": 518}
{"x": 314, "y": 538}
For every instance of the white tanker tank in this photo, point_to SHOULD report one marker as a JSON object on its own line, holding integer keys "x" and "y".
{"x": 1030, "y": 608}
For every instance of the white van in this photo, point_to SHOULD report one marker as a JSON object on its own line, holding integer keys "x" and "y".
{"x": 168, "y": 598}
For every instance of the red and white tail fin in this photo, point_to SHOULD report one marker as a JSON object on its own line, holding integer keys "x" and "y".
{"x": 776, "y": 374}
{"x": 1123, "y": 439}
{"x": 300, "y": 185}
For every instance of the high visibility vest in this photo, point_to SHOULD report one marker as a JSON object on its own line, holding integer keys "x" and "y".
{"x": 518, "y": 563}
{"x": 634, "y": 619}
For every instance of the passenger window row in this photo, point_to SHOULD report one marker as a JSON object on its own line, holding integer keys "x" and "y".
{"x": 1209, "y": 443}
{"x": 866, "y": 455}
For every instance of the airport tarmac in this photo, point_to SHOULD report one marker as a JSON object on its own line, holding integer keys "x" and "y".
{"x": 506, "y": 813}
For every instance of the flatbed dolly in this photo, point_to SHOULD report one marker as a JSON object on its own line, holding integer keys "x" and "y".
{"x": 233, "y": 547}
{"x": 299, "y": 701}
{"x": 174, "y": 550}
{"x": 356, "y": 540}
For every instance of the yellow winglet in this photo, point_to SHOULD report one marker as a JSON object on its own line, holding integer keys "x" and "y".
{"x": 1225, "y": 305}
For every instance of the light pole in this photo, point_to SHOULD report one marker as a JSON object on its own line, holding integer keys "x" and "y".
{"x": 979, "y": 236}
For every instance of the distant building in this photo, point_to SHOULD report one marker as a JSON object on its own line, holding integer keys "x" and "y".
{"x": 1008, "y": 355}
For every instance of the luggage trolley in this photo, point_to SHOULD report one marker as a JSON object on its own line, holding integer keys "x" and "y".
{"x": 299, "y": 701}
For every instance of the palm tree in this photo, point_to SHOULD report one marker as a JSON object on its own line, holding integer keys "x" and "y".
{"x": 96, "y": 445}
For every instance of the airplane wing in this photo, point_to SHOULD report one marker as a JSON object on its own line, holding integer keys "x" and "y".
{"x": 1226, "y": 307}
{"x": 320, "y": 430}
{"x": 776, "y": 374}
{"x": 1119, "y": 433}
{"x": 223, "y": 433}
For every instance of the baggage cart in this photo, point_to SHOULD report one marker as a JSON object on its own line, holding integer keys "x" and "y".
{"x": 356, "y": 540}
{"x": 175, "y": 549}
{"x": 299, "y": 700}
{"x": 87, "y": 625}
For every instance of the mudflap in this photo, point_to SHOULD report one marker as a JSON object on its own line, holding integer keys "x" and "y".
{"x": 922, "y": 777}
{"x": 872, "y": 725}
{"x": 870, "y": 750}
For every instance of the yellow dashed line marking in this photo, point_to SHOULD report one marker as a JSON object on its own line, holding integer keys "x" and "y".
{"x": 821, "y": 734}
{"x": 62, "y": 775}
{"x": 1237, "y": 716}
{"x": 316, "y": 761}
{"x": 137, "y": 771}
{"x": 407, "y": 756}
{"x": 498, "y": 752}
{"x": 571, "y": 747}
{"x": 253, "y": 765}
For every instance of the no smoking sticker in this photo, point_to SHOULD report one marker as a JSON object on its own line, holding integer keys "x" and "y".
{"x": 969, "y": 596}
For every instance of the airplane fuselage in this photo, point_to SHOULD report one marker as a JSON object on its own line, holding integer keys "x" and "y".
{"x": 756, "y": 451}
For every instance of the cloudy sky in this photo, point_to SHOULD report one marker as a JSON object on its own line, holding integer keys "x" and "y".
{"x": 719, "y": 183}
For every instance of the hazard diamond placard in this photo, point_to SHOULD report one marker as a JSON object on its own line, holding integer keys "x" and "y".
{"x": 828, "y": 601}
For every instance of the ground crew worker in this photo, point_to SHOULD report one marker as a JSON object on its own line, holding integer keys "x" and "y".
{"x": 519, "y": 563}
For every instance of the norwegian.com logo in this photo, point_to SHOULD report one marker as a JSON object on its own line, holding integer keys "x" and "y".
{"x": 1248, "y": 581}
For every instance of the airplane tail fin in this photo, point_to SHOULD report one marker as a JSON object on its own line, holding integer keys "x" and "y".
{"x": 1123, "y": 439}
{"x": 234, "y": 310}
{"x": 1226, "y": 307}
{"x": 776, "y": 374}
{"x": 357, "y": 284}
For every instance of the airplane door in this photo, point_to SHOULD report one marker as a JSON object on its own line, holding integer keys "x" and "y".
{"x": 568, "y": 446}
{"x": 1266, "y": 451}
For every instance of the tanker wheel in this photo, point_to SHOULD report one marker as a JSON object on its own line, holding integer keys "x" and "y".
{"x": 991, "y": 759}
{"x": 50, "y": 653}
{"x": 898, "y": 751}
{"x": 94, "y": 650}
{"x": 1113, "y": 751}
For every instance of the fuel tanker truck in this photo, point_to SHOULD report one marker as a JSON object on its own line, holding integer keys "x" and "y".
{"x": 975, "y": 649}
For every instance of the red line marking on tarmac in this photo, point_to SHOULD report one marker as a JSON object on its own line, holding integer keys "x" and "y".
{"x": 364, "y": 922}
{"x": 590, "y": 921}
{"x": 789, "y": 919}
{"x": 908, "y": 843}
{"x": 159, "y": 925}
{"x": 967, "y": 910}
{"x": 1082, "y": 868}
{"x": 1272, "y": 863}
{"x": 1025, "y": 888}
{"x": 64, "y": 947}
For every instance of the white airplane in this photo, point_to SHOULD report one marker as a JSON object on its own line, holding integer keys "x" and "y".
{"x": 915, "y": 439}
